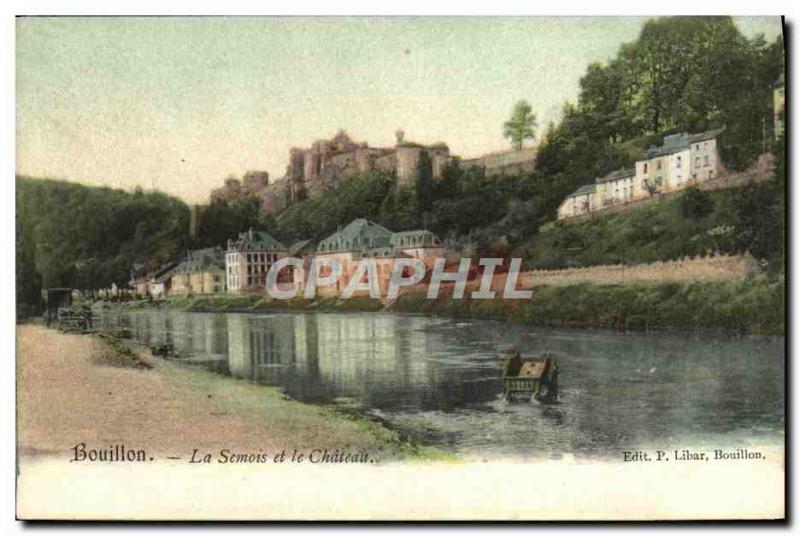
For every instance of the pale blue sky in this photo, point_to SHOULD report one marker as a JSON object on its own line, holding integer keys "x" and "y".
{"x": 179, "y": 103}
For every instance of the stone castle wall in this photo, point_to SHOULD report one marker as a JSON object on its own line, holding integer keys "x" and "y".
{"x": 387, "y": 163}
{"x": 325, "y": 164}
{"x": 408, "y": 158}
{"x": 276, "y": 197}
{"x": 254, "y": 181}
{"x": 508, "y": 162}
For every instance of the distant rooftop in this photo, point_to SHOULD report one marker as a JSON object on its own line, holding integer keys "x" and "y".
{"x": 680, "y": 142}
{"x": 359, "y": 234}
{"x": 200, "y": 259}
{"x": 617, "y": 174}
{"x": 251, "y": 239}
{"x": 583, "y": 190}
{"x": 367, "y": 236}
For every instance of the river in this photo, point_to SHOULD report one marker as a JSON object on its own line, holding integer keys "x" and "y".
{"x": 438, "y": 380}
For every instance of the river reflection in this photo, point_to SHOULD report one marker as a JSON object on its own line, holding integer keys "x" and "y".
{"x": 439, "y": 380}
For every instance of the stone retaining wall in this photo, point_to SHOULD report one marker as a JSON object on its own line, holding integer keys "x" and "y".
{"x": 699, "y": 269}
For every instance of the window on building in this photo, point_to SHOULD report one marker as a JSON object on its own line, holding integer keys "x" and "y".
{"x": 678, "y": 162}
{"x": 645, "y": 167}
{"x": 705, "y": 160}
{"x": 658, "y": 164}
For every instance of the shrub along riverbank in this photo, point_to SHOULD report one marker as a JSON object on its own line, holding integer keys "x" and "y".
{"x": 741, "y": 307}
{"x": 755, "y": 306}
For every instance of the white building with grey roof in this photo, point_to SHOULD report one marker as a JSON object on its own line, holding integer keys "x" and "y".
{"x": 682, "y": 160}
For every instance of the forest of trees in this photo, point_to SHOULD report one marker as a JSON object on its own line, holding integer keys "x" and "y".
{"x": 88, "y": 237}
{"x": 681, "y": 74}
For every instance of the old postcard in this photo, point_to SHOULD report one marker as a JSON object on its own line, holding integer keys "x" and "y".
{"x": 400, "y": 268}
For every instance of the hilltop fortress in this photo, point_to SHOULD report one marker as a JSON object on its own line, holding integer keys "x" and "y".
{"x": 326, "y": 163}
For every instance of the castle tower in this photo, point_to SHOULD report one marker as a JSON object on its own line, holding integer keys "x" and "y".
{"x": 408, "y": 159}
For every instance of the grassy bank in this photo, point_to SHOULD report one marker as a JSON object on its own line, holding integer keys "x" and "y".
{"x": 743, "y": 307}
{"x": 755, "y": 306}
{"x": 691, "y": 224}
{"x": 255, "y": 302}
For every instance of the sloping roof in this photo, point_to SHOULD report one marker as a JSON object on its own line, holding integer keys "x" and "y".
{"x": 301, "y": 247}
{"x": 164, "y": 272}
{"x": 707, "y": 135}
{"x": 617, "y": 174}
{"x": 165, "y": 276}
{"x": 359, "y": 234}
{"x": 583, "y": 190}
{"x": 420, "y": 237}
{"x": 251, "y": 239}
{"x": 680, "y": 142}
{"x": 202, "y": 259}
{"x": 671, "y": 144}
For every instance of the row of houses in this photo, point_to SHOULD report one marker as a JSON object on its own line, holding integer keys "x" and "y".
{"x": 681, "y": 160}
{"x": 244, "y": 264}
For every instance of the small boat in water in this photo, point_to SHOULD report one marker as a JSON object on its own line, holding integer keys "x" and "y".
{"x": 535, "y": 377}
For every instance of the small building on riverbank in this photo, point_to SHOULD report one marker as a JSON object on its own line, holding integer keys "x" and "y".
{"x": 202, "y": 272}
{"x": 249, "y": 258}
{"x": 160, "y": 281}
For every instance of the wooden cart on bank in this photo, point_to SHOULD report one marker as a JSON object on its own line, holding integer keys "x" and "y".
{"x": 537, "y": 378}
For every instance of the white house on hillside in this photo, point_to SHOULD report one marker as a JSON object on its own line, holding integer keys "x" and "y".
{"x": 581, "y": 201}
{"x": 681, "y": 160}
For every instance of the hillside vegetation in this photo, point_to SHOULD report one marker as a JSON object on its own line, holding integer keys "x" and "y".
{"x": 680, "y": 74}
{"x": 755, "y": 307}
{"x": 88, "y": 237}
{"x": 695, "y": 223}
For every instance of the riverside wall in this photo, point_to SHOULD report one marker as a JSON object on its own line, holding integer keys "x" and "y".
{"x": 687, "y": 270}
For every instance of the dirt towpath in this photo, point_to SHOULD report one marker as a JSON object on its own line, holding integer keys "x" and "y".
{"x": 75, "y": 389}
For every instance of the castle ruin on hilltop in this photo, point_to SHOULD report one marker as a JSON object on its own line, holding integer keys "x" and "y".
{"x": 326, "y": 163}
